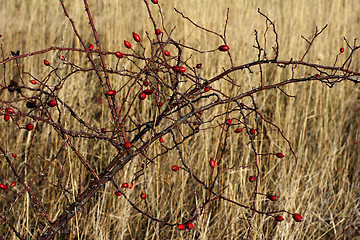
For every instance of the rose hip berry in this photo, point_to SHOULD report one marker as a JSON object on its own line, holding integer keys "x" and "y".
{"x": 212, "y": 162}
{"x": 119, "y": 55}
{"x": 117, "y": 193}
{"x": 199, "y": 65}
{"x": 280, "y": 155}
{"x": 131, "y": 185}
{"x": 175, "y": 68}
{"x": 142, "y": 96}
{"x": 127, "y": 145}
{"x": 166, "y": 53}
{"x": 29, "y": 126}
{"x": 207, "y": 89}
{"x": 3, "y": 186}
{"x": 157, "y": 31}
{"x": 252, "y": 131}
{"x": 342, "y": 50}
{"x": 6, "y": 117}
{"x": 238, "y": 130}
{"x": 111, "y": 93}
{"x": 146, "y": 83}
{"x": 279, "y": 218}
{"x": 124, "y": 185}
{"x": 51, "y": 103}
{"x": 13, "y": 184}
{"x": 143, "y": 195}
{"x": 224, "y": 48}
{"x": 46, "y": 62}
{"x": 155, "y": 1}
{"x": 91, "y": 47}
{"x": 127, "y": 44}
{"x": 272, "y": 197}
{"x": 161, "y": 140}
{"x": 189, "y": 226}
{"x": 33, "y": 81}
{"x": 14, "y": 155}
{"x": 297, "y": 217}
{"x": 175, "y": 168}
{"x": 228, "y": 121}
{"x": 181, "y": 227}
{"x": 159, "y": 104}
{"x": 103, "y": 130}
{"x": 9, "y": 110}
{"x": 251, "y": 179}
{"x": 136, "y": 37}
{"x": 181, "y": 69}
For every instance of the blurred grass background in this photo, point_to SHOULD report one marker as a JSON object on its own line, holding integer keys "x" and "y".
{"x": 321, "y": 123}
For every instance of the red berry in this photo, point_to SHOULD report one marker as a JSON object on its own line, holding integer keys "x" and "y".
{"x": 33, "y": 82}
{"x": 224, "y": 48}
{"x": 62, "y": 58}
{"x": 117, "y": 193}
{"x": 127, "y": 145}
{"x": 175, "y": 68}
{"x": 212, "y": 163}
{"x": 317, "y": 75}
{"x": 161, "y": 140}
{"x": 189, "y": 226}
{"x": 252, "y": 131}
{"x": 131, "y": 185}
{"x": 119, "y": 55}
{"x": 14, "y": 155}
{"x": 124, "y": 185}
{"x": 52, "y": 103}
{"x": 251, "y": 179}
{"x": 207, "y": 89}
{"x": 175, "y": 168}
{"x": 201, "y": 112}
{"x": 111, "y": 92}
{"x": 146, "y": 83}
{"x": 280, "y": 155}
{"x": 6, "y": 117}
{"x": 279, "y": 218}
{"x": 29, "y": 126}
{"x": 148, "y": 91}
{"x": 297, "y": 217}
{"x": 342, "y": 50}
{"x": 182, "y": 69}
{"x": 228, "y": 121}
{"x": 181, "y": 227}
{"x": 157, "y": 31}
{"x": 103, "y": 130}
{"x": 272, "y": 197}
{"x": 143, "y": 195}
{"x": 198, "y": 65}
{"x": 159, "y": 104}
{"x": 166, "y": 53}
{"x": 136, "y": 37}
{"x": 127, "y": 44}
{"x": 238, "y": 130}
{"x": 155, "y": 1}
{"x": 46, "y": 62}
{"x": 9, "y": 110}
{"x": 13, "y": 184}
{"x": 142, "y": 96}
{"x": 91, "y": 47}
{"x": 3, "y": 187}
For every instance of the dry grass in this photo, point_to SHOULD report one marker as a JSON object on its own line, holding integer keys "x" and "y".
{"x": 321, "y": 123}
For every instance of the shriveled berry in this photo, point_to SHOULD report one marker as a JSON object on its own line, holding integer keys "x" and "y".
{"x": 280, "y": 155}
{"x": 103, "y": 130}
{"x": 6, "y": 117}
{"x": 157, "y": 31}
{"x": 189, "y": 226}
{"x": 46, "y": 62}
{"x": 224, "y": 48}
{"x": 279, "y": 218}
{"x": 3, "y": 186}
{"x": 181, "y": 227}
{"x": 181, "y": 69}
{"x": 146, "y": 83}
{"x": 317, "y": 75}
{"x": 342, "y": 50}
{"x": 143, "y": 195}
{"x": 119, "y": 55}
{"x": 33, "y": 81}
{"x": 148, "y": 91}
{"x": 9, "y": 110}
{"x": 175, "y": 168}
{"x": 14, "y": 155}
{"x": 13, "y": 184}
{"x": 212, "y": 162}
{"x": 91, "y": 47}
{"x": 127, "y": 145}
{"x": 297, "y": 217}
{"x": 51, "y": 103}
{"x": 252, "y": 131}
{"x": 272, "y": 197}
{"x": 142, "y": 96}
{"x": 251, "y": 179}
{"x": 155, "y": 1}
{"x": 228, "y": 121}
{"x": 124, "y": 185}
{"x": 118, "y": 193}
{"x": 127, "y": 44}
{"x": 175, "y": 68}
{"x": 238, "y": 130}
{"x": 159, "y": 104}
{"x": 136, "y": 37}
{"x": 166, "y": 53}
{"x": 199, "y": 65}
{"x": 111, "y": 93}
{"x": 29, "y": 126}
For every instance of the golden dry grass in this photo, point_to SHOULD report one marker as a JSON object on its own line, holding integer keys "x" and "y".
{"x": 322, "y": 124}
